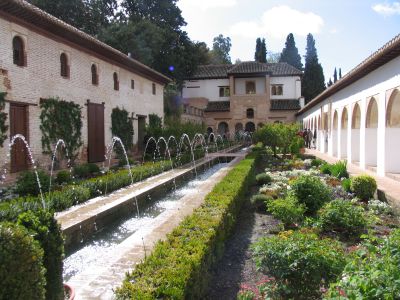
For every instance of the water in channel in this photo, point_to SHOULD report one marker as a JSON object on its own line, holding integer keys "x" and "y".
{"x": 100, "y": 248}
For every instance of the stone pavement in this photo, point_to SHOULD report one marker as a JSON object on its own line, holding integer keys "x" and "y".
{"x": 387, "y": 187}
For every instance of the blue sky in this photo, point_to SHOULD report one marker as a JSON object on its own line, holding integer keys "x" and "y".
{"x": 346, "y": 32}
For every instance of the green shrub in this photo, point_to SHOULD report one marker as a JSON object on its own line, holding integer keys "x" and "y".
{"x": 93, "y": 169}
{"x": 339, "y": 169}
{"x": 81, "y": 171}
{"x": 343, "y": 217}
{"x": 22, "y": 275}
{"x": 288, "y": 210}
{"x": 259, "y": 200}
{"x": 364, "y": 186}
{"x": 325, "y": 168}
{"x": 63, "y": 177}
{"x": 311, "y": 191}
{"x": 27, "y": 183}
{"x": 263, "y": 178}
{"x": 346, "y": 184}
{"x": 296, "y": 145}
{"x": 373, "y": 273}
{"x": 316, "y": 162}
{"x": 44, "y": 228}
{"x": 178, "y": 267}
{"x": 299, "y": 262}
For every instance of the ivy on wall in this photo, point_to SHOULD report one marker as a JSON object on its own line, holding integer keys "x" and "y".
{"x": 3, "y": 119}
{"x": 122, "y": 127}
{"x": 61, "y": 120}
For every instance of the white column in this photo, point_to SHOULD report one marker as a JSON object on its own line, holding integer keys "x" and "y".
{"x": 381, "y": 132}
{"x": 339, "y": 134}
{"x": 349, "y": 118}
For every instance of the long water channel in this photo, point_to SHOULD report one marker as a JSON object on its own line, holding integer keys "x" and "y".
{"x": 98, "y": 250}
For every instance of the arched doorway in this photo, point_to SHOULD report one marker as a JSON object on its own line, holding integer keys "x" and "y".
{"x": 392, "y": 135}
{"x": 343, "y": 133}
{"x": 335, "y": 136}
{"x": 326, "y": 130}
{"x": 250, "y": 127}
{"x": 355, "y": 133}
{"x": 371, "y": 133}
{"x": 319, "y": 133}
{"x": 223, "y": 128}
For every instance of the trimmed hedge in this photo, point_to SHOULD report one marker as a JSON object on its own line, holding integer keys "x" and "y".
{"x": 44, "y": 228}
{"x": 22, "y": 275}
{"x": 178, "y": 267}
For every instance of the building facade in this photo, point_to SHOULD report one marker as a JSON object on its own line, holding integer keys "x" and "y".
{"x": 358, "y": 118}
{"x": 244, "y": 96}
{"x": 42, "y": 57}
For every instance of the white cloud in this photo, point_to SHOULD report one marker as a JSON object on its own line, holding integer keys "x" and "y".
{"x": 387, "y": 9}
{"x": 207, "y": 4}
{"x": 333, "y": 31}
{"x": 278, "y": 22}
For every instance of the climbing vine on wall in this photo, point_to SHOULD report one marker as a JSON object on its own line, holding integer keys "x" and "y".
{"x": 3, "y": 119}
{"x": 122, "y": 127}
{"x": 61, "y": 120}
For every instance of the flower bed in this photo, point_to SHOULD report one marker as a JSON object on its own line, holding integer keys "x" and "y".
{"x": 178, "y": 267}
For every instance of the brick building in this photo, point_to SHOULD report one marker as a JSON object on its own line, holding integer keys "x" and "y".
{"x": 244, "y": 96}
{"x": 42, "y": 57}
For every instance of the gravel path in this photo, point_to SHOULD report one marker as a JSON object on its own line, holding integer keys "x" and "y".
{"x": 236, "y": 266}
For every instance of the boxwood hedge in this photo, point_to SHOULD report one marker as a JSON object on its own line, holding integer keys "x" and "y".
{"x": 178, "y": 267}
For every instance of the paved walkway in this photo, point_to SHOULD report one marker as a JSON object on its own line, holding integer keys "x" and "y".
{"x": 387, "y": 187}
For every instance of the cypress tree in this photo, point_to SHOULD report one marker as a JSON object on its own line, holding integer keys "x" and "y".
{"x": 313, "y": 79}
{"x": 340, "y": 73}
{"x": 263, "y": 52}
{"x": 329, "y": 83}
{"x": 258, "y": 50}
{"x": 290, "y": 54}
{"x": 334, "y": 76}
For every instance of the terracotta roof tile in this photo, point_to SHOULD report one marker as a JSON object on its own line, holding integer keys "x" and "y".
{"x": 247, "y": 67}
{"x": 285, "y": 104}
{"x": 214, "y": 106}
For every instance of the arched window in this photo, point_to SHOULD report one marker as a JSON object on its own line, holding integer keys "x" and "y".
{"x": 335, "y": 120}
{"x": 95, "y": 76}
{"x": 250, "y": 113}
{"x": 372, "y": 114}
{"x": 223, "y": 128}
{"x": 19, "y": 58}
{"x": 344, "y": 118}
{"x": 116, "y": 82}
{"x": 64, "y": 67}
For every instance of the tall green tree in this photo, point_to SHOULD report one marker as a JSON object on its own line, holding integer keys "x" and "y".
{"x": 220, "y": 51}
{"x": 290, "y": 54}
{"x": 313, "y": 78}
{"x": 260, "y": 54}
{"x": 340, "y": 73}
{"x": 334, "y": 76}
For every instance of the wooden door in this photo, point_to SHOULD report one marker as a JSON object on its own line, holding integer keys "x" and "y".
{"x": 19, "y": 125}
{"x": 96, "y": 145}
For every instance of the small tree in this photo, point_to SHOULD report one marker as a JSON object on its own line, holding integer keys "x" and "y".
{"x": 122, "y": 127}
{"x": 3, "y": 119}
{"x": 61, "y": 120}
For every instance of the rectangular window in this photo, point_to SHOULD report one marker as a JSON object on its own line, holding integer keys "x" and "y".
{"x": 224, "y": 91}
{"x": 154, "y": 88}
{"x": 250, "y": 87}
{"x": 132, "y": 84}
{"x": 277, "y": 89}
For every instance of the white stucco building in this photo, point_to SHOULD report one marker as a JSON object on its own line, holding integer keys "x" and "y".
{"x": 358, "y": 118}
{"x": 244, "y": 96}
{"x": 42, "y": 57}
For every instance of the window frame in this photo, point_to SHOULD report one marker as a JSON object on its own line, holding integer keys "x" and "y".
{"x": 153, "y": 88}
{"x": 248, "y": 90}
{"x": 116, "y": 81}
{"x": 95, "y": 74}
{"x": 64, "y": 66}
{"x": 224, "y": 91}
{"x": 19, "y": 55}
{"x": 277, "y": 89}
{"x": 250, "y": 113}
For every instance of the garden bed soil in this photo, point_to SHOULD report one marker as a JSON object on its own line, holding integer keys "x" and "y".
{"x": 236, "y": 268}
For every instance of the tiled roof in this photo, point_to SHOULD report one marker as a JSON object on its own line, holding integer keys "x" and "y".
{"x": 22, "y": 12}
{"x": 285, "y": 104}
{"x": 377, "y": 59}
{"x": 247, "y": 67}
{"x": 213, "y": 106}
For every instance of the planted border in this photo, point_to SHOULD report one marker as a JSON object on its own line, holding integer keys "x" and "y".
{"x": 178, "y": 268}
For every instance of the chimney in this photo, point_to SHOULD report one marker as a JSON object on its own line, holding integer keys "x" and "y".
{"x": 301, "y": 100}
{"x": 129, "y": 55}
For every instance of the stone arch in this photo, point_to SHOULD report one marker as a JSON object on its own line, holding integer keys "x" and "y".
{"x": 343, "y": 133}
{"x": 250, "y": 127}
{"x": 372, "y": 114}
{"x": 392, "y": 133}
{"x": 371, "y": 133}
{"x": 223, "y": 128}
{"x": 335, "y": 133}
{"x": 355, "y": 133}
